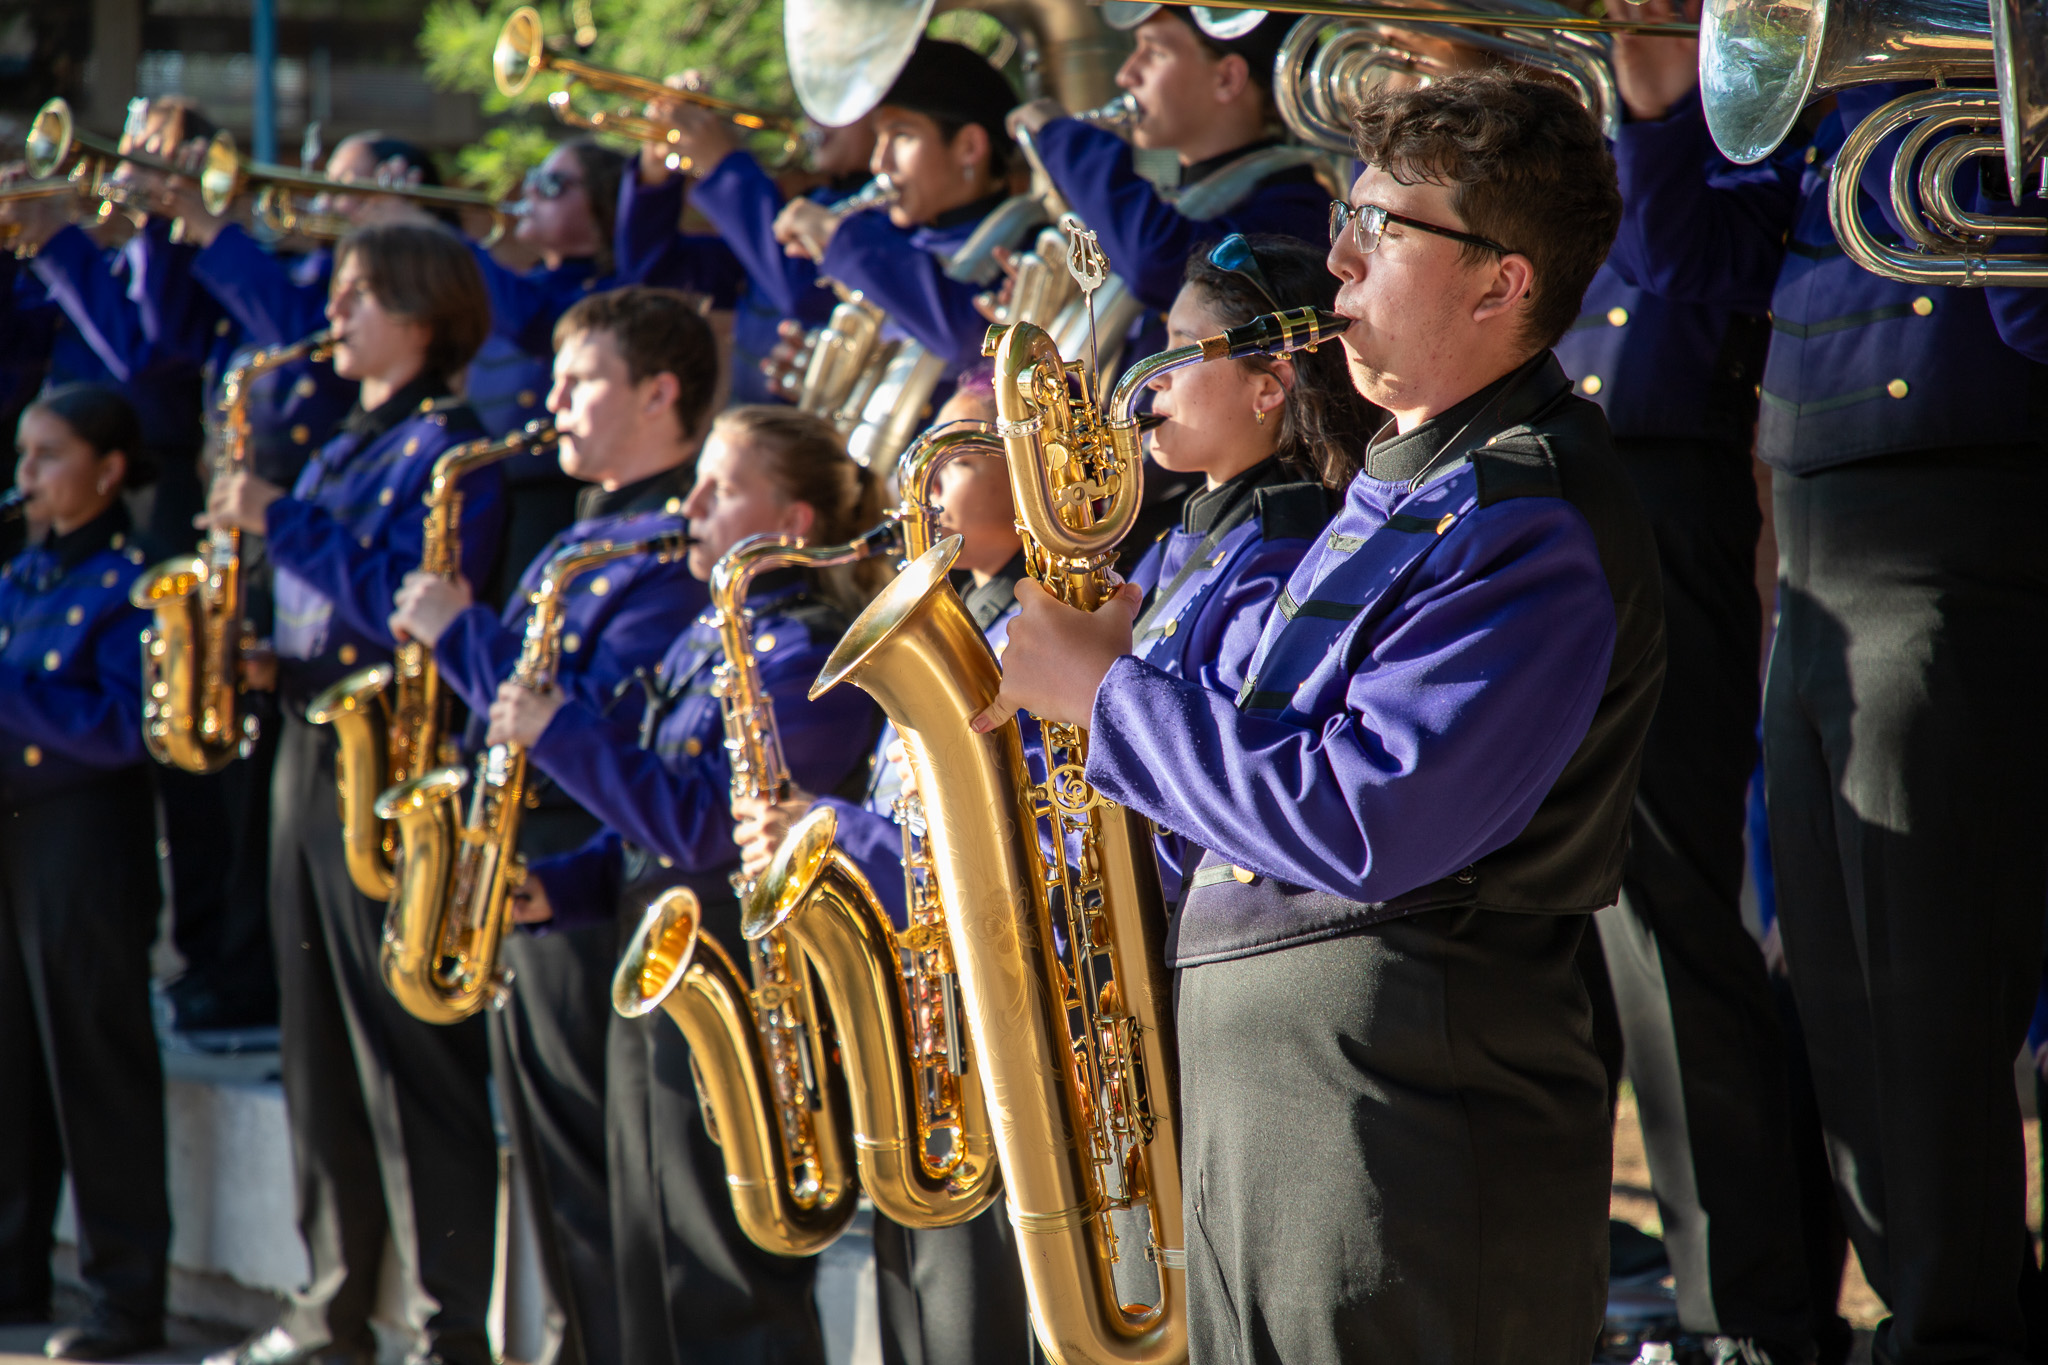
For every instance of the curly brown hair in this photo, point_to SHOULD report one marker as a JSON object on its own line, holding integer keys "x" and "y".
{"x": 1526, "y": 166}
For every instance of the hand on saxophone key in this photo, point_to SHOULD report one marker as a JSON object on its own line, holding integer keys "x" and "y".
{"x": 761, "y": 826}
{"x": 520, "y": 715}
{"x": 427, "y": 604}
{"x": 1058, "y": 655}
{"x": 805, "y": 228}
{"x": 530, "y": 903}
{"x": 238, "y": 502}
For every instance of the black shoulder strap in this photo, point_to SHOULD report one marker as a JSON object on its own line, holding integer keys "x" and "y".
{"x": 1293, "y": 511}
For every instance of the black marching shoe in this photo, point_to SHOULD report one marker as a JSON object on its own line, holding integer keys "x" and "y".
{"x": 105, "y": 1335}
{"x": 279, "y": 1347}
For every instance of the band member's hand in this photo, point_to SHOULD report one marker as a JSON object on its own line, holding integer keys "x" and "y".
{"x": 182, "y": 200}
{"x": 699, "y": 137}
{"x": 805, "y": 228}
{"x": 1034, "y": 115}
{"x": 238, "y": 503}
{"x": 25, "y": 224}
{"x": 1656, "y": 73}
{"x": 520, "y": 715}
{"x": 788, "y": 359}
{"x": 427, "y": 604}
{"x": 1774, "y": 951}
{"x": 991, "y": 304}
{"x": 1058, "y": 655}
{"x": 761, "y": 825}
{"x": 530, "y": 903}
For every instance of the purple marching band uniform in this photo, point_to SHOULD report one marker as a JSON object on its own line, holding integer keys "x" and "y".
{"x": 78, "y": 911}
{"x": 690, "y": 1286}
{"x": 1907, "y": 601}
{"x": 369, "y": 1088}
{"x": 743, "y": 267}
{"x": 1410, "y": 804}
{"x": 548, "y": 1041}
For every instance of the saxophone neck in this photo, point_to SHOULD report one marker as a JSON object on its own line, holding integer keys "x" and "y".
{"x": 918, "y": 471}
{"x": 1077, "y": 483}
{"x": 547, "y": 603}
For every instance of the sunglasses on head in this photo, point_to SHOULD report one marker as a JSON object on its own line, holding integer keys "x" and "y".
{"x": 1368, "y": 223}
{"x": 542, "y": 183}
{"x": 1235, "y": 256}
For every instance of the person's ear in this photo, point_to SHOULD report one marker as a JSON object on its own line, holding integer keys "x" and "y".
{"x": 659, "y": 391}
{"x": 112, "y": 473}
{"x": 970, "y": 146}
{"x": 1233, "y": 74}
{"x": 798, "y": 517}
{"x": 1514, "y": 279}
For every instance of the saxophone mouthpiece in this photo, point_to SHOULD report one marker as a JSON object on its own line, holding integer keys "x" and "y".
{"x": 1296, "y": 329}
{"x": 1149, "y": 420}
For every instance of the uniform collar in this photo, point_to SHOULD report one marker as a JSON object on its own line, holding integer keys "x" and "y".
{"x": 1202, "y": 170}
{"x": 1394, "y": 458}
{"x": 651, "y": 494}
{"x": 966, "y": 214}
{"x": 986, "y": 602}
{"x": 74, "y": 548}
{"x": 1207, "y": 506}
{"x": 376, "y": 421}
{"x": 779, "y": 583}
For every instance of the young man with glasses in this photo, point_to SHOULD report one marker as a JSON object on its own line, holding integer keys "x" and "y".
{"x": 1394, "y": 1125}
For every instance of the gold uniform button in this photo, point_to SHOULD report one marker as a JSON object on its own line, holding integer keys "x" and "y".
{"x": 1812, "y": 155}
{"x": 52, "y": 661}
{"x": 1445, "y": 524}
{"x": 693, "y": 747}
{"x": 527, "y": 398}
{"x": 600, "y": 585}
{"x": 1171, "y": 627}
{"x": 1217, "y": 562}
{"x": 1590, "y": 385}
{"x": 110, "y": 578}
{"x": 1617, "y": 317}
{"x": 74, "y": 616}
{"x": 134, "y": 554}
{"x": 1923, "y": 305}
{"x": 301, "y": 433}
{"x": 223, "y": 327}
{"x": 385, "y": 498}
{"x": 764, "y": 644}
{"x": 412, "y": 447}
{"x": 32, "y": 755}
{"x": 367, "y": 541}
{"x": 1897, "y": 388}
{"x": 674, "y": 507}
{"x": 1244, "y": 875}
{"x": 571, "y": 642}
{"x": 347, "y": 655}
{"x": 118, "y": 541}
{"x": 305, "y": 387}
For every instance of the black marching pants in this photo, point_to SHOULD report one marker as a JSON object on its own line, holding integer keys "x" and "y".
{"x": 218, "y": 828}
{"x": 81, "y": 1081}
{"x": 692, "y": 1289}
{"x": 1705, "y": 1051}
{"x": 1904, "y": 746}
{"x": 391, "y": 1126}
{"x": 953, "y": 1296}
{"x": 1396, "y": 1148}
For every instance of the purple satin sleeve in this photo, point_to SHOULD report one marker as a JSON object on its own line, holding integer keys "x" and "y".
{"x": 583, "y": 885}
{"x": 875, "y": 843}
{"x": 94, "y": 719}
{"x": 1469, "y": 700}
{"x": 78, "y": 278}
{"x": 258, "y": 291}
{"x": 740, "y": 200}
{"x": 873, "y": 255}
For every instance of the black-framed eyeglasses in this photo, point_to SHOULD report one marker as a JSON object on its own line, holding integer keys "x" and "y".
{"x": 1368, "y": 222}
{"x": 542, "y": 183}
{"x": 1235, "y": 255}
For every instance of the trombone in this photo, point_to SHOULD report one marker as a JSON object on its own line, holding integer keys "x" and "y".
{"x": 522, "y": 53}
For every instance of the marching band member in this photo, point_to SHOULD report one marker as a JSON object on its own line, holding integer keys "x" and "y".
{"x": 1418, "y": 794}
{"x": 1906, "y": 599}
{"x": 80, "y": 1075}
{"x": 391, "y": 1129}
{"x": 939, "y": 135}
{"x": 691, "y": 1286}
{"x": 740, "y": 200}
{"x": 634, "y": 372}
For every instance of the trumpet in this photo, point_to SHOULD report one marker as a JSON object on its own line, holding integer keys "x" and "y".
{"x": 225, "y": 175}
{"x": 522, "y": 53}
{"x": 56, "y": 147}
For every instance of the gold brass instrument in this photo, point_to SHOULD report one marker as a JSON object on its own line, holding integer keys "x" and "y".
{"x": 225, "y": 175}
{"x": 192, "y": 715}
{"x": 391, "y": 720}
{"x": 838, "y": 354}
{"x": 454, "y": 882}
{"x": 921, "y": 1127}
{"x": 57, "y": 146}
{"x": 1950, "y": 246}
{"x": 760, "y": 1054}
{"x": 522, "y": 52}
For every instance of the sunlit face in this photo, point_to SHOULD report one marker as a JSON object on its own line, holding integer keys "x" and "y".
{"x": 1174, "y": 77}
{"x": 351, "y": 162}
{"x": 932, "y": 172}
{"x": 67, "y": 482}
{"x": 370, "y": 342}
{"x": 562, "y": 225}
{"x": 972, "y": 494}
{"x": 1411, "y": 300}
{"x": 603, "y": 417}
{"x": 1211, "y": 410}
{"x": 736, "y": 496}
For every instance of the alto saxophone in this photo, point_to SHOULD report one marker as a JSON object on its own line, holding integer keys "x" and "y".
{"x": 921, "y": 1127}
{"x": 192, "y": 715}
{"x": 1075, "y": 1046}
{"x": 455, "y": 881}
{"x": 391, "y": 720}
{"x": 759, "y": 1053}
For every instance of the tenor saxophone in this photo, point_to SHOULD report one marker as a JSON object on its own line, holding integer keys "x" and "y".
{"x": 772, "y": 1096}
{"x": 455, "y": 880}
{"x": 921, "y": 1127}
{"x": 391, "y": 720}
{"x": 1075, "y": 1044}
{"x": 192, "y": 713}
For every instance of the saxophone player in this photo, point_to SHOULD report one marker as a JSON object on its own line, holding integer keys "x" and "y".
{"x": 391, "y": 1128}
{"x": 634, "y": 373}
{"x": 691, "y": 1286}
{"x": 1395, "y": 1125}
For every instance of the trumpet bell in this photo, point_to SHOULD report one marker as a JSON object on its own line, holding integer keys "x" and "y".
{"x": 516, "y": 59}
{"x": 50, "y": 135}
